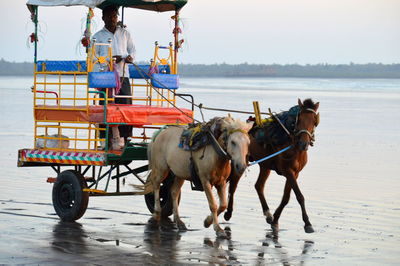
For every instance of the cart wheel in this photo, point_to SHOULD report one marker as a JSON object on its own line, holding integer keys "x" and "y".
{"x": 69, "y": 201}
{"x": 165, "y": 197}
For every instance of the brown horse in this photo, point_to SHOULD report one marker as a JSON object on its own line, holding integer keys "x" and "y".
{"x": 300, "y": 122}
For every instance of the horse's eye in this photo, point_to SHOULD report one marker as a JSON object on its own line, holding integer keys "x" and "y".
{"x": 233, "y": 143}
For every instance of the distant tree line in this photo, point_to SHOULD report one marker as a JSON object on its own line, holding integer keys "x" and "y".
{"x": 351, "y": 70}
{"x": 15, "y": 69}
{"x": 292, "y": 70}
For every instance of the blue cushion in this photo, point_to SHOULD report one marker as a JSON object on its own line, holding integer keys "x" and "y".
{"x": 64, "y": 66}
{"x": 165, "y": 81}
{"x": 134, "y": 73}
{"x": 143, "y": 73}
{"x": 102, "y": 80}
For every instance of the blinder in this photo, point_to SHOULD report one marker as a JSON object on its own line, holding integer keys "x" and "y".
{"x": 317, "y": 121}
{"x": 316, "y": 116}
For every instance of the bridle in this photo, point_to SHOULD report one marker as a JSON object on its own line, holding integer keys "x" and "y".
{"x": 297, "y": 132}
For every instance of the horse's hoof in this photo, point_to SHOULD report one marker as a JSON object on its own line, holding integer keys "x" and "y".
{"x": 181, "y": 227}
{"x": 227, "y": 216}
{"x": 275, "y": 228}
{"x": 309, "y": 229}
{"x": 269, "y": 218}
{"x": 207, "y": 221}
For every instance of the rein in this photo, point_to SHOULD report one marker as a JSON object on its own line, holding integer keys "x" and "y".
{"x": 217, "y": 147}
{"x": 270, "y": 156}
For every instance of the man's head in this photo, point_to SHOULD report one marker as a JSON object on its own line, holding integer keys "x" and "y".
{"x": 110, "y": 17}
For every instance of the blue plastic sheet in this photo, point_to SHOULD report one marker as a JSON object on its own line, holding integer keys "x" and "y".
{"x": 63, "y": 66}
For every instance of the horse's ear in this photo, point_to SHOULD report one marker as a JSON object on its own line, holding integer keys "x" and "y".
{"x": 249, "y": 125}
{"x": 300, "y": 103}
{"x": 316, "y": 106}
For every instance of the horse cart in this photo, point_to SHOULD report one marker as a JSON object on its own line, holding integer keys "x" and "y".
{"x": 73, "y": 102}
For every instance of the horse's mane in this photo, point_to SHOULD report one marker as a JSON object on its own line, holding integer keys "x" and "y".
{"x": 231, "y": 124}
{"x": 308, "y": 103}
{"x": 196, "y": 136}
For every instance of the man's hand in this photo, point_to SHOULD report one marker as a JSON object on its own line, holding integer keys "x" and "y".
{"x": 129, "y": 59}
{"x": 117, "y": 58}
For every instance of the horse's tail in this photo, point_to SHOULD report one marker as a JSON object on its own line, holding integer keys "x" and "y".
{"x": 153, "y": 138}
{"x": 148, "y": 186}
{"x": 149, "y": 154}
{"x": 144, "y": 189}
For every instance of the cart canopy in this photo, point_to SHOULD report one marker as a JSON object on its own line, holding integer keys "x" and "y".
{"x": 153, "y": 5}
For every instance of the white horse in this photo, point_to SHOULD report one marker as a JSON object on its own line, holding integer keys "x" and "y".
{"x": 213, "y": 169}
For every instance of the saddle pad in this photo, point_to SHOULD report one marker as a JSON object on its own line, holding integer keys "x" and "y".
{"x": 271, "y": 132}
{"x": 193, "y": 139}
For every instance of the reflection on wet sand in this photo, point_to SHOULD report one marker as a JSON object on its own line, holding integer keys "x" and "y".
{"x": 275, "y": 251}
{"x": 218, "y": 253}
{"x": 69, "y": 238}
{"x": 160, "y": 241}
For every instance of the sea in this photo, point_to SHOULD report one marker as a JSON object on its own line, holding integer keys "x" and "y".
{"x": 351, "y": 187}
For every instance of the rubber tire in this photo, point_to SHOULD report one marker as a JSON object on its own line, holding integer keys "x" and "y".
{"x": 165, "y": 197}
{"x": 69, "y": 201}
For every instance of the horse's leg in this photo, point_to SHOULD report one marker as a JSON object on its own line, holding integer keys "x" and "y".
{"x": 259, "y": 186}
{"x": 221, "y": 189}
{"x": 156, "y": 178}
{"x": 284, "y": 202}
{"x": 213, "y": 208}
{"x": 157, "y": 204}
{"x": 233, "y": 182}
{"x": 292, "y": 179}
{"x": 175, "y": 190}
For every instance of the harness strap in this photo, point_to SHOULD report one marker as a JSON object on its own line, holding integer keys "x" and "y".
{"x": 238, "y": 130}
{"x": 218, "y": 149}
{"x": 279, "y": 121}
{"x": 305, "y": 131}
{"x": 311, "y": 110}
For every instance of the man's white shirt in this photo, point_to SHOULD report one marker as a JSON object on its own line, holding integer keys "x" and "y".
{"x": 122, "y": 45}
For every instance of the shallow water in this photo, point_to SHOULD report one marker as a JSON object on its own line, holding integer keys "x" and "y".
{"x": 351, "y": 187}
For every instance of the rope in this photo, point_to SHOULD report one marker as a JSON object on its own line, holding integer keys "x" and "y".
{"x": 200, "y": 106}
{"x": 270, "y": 156}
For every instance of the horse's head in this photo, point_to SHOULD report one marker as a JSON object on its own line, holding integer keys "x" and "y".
{"x": 236, "y": 139}
{"x": 306, "y": 122}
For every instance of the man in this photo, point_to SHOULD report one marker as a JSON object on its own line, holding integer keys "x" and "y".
{"x": 123, "y": 51}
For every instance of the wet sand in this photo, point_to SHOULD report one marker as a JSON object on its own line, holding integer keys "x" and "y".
{"x": 351, "y": 187}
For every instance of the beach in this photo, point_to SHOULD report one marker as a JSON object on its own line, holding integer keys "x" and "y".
{"x": 350, "y": 184}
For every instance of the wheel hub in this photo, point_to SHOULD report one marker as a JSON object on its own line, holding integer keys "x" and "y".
{"x": 67, "y": 196}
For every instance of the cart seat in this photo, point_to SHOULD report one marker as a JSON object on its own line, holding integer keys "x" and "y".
{"x": 136, "y": 115}
{"x": 143, "y": 71}
{"x": 165, "y": 81}
{"x": 102, "y": 80}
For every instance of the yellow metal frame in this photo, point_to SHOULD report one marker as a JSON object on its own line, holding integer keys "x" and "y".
{"x": 69, "y": 91}
{"x": 141, "y": 89}
{"x": 93, "y": 59}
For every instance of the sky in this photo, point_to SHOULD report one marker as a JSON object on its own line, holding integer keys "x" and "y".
{"x": 222, "y": 31}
